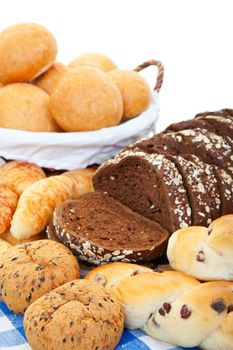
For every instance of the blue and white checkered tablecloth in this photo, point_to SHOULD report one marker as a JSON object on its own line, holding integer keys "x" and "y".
{"x": 12, "y": 336}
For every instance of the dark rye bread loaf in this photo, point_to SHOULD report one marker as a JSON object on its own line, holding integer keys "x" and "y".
{"x": 99, "y": 229}
{"x": 149, "y": 184}
{"x": 225, "y": 181}
{"x": 202, "y": 187}
{"x": 222, "y": 126}
{"x": 208, "y": 146}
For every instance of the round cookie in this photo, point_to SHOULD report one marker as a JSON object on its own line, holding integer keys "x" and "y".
{"x": 86, "y": 99}
{"x": 30, "y": 270}
{"x": 26, "y": 51}
{"x": 97, "y": 60}
{"x": 135, "y": 92}
{"x": 48, "y": 80}
{"x": 78, "y": 315}
{"x": 25, "y": 107}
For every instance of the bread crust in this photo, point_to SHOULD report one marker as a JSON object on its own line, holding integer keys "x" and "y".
{"x": 86, "y": 99}
{"x": 78, "y": 315}
{"x": 19, "y": 175}
{"x": 8, "y": 203}
{"x": 95, "y": 60}
{"x": 204, "y": 253}
{"x": 135, "y": 91}
{"x": 36, "y": 52}
{"x": 37, "y": 203}
{"x": 29, "y": 270}
{"x": 25, "y": 107}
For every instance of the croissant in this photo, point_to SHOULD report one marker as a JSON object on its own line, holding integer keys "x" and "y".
{"x": 82, "y": 179}
{"x": 9, "y": 238}
{"x": 8, "y": 203}
{"x": 18, "y": 175}
{"x": 204, "y": 253}
{"x": 174, "y": 307}
{"x": 4, "y": 246}
{"x": 37, "y": 203}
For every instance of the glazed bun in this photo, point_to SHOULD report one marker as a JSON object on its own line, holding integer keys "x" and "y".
{"x": 25, "y": 107}
{"x": 135, "y": 92}
{"x": 86, "y": 99}
{"x": 26, "y": 51}
{"x": 48, "y": 80}
{"x": 94, "y": 59}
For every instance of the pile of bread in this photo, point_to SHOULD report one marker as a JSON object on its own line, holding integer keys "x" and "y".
{"x": 42, "y": 280}
{"x": 39, "y": 94}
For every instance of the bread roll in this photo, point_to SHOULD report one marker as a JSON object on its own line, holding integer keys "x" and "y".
{"x": 82, "y": 180}
{"x": 78, "y": 315}
{"x": 18, "y": 175}
{"x": 49, "y": 79}
{"x": 135, "y": 92}
{"x": 173, "y": 307}
{"x": 30, "y": 270}
{"x": 204, "y": 253}
{"x": 86, "y": 99}
{"x": 8, "y": 203}
{"x": 94, "y": 59}
{"x": 110, "y": 274}
{"x": 26, "y": 51}
{"x": 25, "y": 107}
{"x": 4, "y": 246}
{"x": 37, "y": 203}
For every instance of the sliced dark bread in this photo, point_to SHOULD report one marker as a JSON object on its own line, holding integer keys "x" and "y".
{"x": 222, "y": 126}
{"x": 189, "y": 124}
{"x": 149, "y": 184}
{"x": 99, "y": 229}
{"x": 202, "y": 188}
{"x": 226, "y": 112}
{"x": 225, "y": 180}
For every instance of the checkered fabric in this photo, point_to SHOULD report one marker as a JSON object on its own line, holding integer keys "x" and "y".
{"x": 12, "y": 336}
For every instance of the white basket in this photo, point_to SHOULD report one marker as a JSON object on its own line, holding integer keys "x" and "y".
{"x": 78, "y": 149}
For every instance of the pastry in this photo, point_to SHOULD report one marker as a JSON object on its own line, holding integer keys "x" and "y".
{"x": 110, "y": 274}
{"x": 176, "y": 308}
{"x": 8, "y": 237}
{"x": 8, "y": 203}
{"x": 36, "y": 52}
{"x": 149, "y": 184}
{"x": 4, "y": 246}
{"x": 86, "y": 99}
{"x": 204, "y": 253}
{"x": 36, "y": 205}
{"x": 95, "y": 60}
{"x": 78, "y": 315}
{"x": 82, "y": 179}
{"x": 25, "y": 107}
{"x": 49, "y": 79}
{"x": 19, "y": 175}
{"x": 99, "y": 229}
{"x": 135, "y": 91}
{"x": 30, "y": 270}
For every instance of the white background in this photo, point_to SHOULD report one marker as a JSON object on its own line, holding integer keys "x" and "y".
{"x": 194, "y": 40}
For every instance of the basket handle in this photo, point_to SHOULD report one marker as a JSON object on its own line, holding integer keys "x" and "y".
{"x": 160, "y": 74}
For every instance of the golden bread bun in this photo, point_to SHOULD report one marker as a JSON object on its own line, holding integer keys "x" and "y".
{"x": 26, "y": 51}
{"x": 94, "y": 59}
{"x": 135, "y": 92}
{"x": 25, "y": 107}
{"x": 48, "y": 80}
{"x": 86, "y": 99}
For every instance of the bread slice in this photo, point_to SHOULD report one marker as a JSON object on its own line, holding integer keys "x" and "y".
{"x": 149, "y": 184}
{"x": 225, "y": 180}
{"x": 99, "y": 229}
{"x": 202, "y": 187}
{"x": 209, "y": 147}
